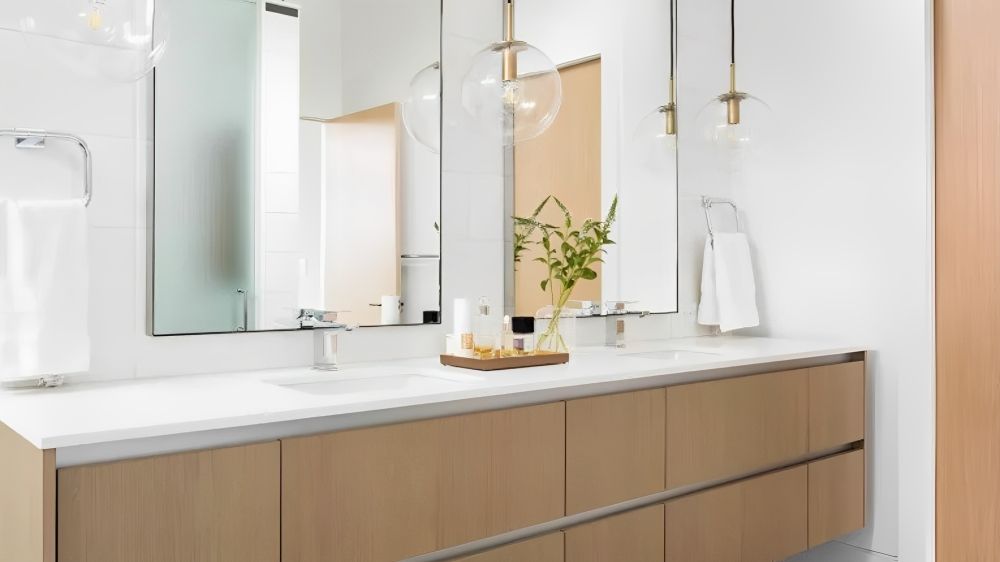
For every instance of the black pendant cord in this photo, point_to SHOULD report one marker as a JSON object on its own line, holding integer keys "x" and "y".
{"x": 732, "y": 32}
{"x": 673, "y": 40}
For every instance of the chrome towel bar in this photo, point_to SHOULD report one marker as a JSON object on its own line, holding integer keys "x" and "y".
{"x": 35, "y": 139}
{"x": 708, "y": 202}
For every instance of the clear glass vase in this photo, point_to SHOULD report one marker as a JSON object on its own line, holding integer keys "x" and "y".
{"x": 558, "y": 330}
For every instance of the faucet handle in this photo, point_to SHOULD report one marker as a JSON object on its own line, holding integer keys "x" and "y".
{"x": 315, "y": 318}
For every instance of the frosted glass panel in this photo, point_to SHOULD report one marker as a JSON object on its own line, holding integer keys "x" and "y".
{"x": 205, "y": 167}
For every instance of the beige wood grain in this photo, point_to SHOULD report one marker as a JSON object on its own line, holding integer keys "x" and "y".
{"x": 546, "y": 548}
{"x": 614, "y": 448}
{"x": 27, "y": 500}
{"x": 836, "y": 496}
{"x": 724, "y": 428}
{"x": 836, "y": 405}
{"x": 220, "y": 505}
{"x": 387, "y": 493}
{"x": 775, "y": 515}
{"x": 363, "y": 198}
{"x": 706, "y": 526}
{"x": 967, "y": 235}
{"x": 635, "y": 536}
{"x": 564, "y": 162}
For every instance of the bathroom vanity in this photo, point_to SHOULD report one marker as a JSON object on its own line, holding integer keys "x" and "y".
{"x": 700, "y": 449}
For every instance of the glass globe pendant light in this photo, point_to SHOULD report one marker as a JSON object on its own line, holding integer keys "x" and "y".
{"x": 422, "y": 107}
{"x": 120, "y": 40}
{"x": 735, "y": 120}
{"x": 512, "y": 88}
{"x": 656, "y": 135}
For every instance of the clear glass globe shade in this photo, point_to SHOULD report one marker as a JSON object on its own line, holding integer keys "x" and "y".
{"x": 755, "y": 127}
{"x": 517, "y": 110}
{"x": 121, "y": 40}
{"x": 422, "y": 107}
{"x": 652, "y": 147}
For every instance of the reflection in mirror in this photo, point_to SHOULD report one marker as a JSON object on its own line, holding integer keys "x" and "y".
{"x": 615, "y": 63}
{"x": 297, "y": 164}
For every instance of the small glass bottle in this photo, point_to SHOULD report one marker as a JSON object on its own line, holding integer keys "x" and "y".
{"x": 484, "y": 335}
{"x": 523, "y": 328}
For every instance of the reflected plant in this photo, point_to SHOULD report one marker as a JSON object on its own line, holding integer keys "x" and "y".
{"x": 569, "y": 253}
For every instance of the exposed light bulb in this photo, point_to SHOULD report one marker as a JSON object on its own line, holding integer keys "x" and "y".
{"x": 95, "y": 20}
{"x": 511, "y": 94}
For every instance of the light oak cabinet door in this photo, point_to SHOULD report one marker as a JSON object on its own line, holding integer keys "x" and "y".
{"x": 774, "y": 515}
{"x": 762, "y": 519}
{"x": 391, "y": 492}
{"x": 547, "y": 548}
{"x": 614, "y": 448}
{"x": 220, "y": 505}
{"x": 836, "y": 405}
{"x": 836, "y": 496}
{"x": 635, "y": 536}
{"x": 723, "y": 428}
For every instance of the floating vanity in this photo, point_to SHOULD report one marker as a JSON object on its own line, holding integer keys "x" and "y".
{"x": 701, "y": 449}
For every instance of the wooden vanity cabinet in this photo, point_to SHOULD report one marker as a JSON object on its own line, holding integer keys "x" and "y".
{"x": 546, "y": 548}
{"x": 636, "y": 536}
{"x": 726, "y": 428}
{"x": 614, "y": 448}
{"x": 392, "y": 492}
{"x": 836, "y": 496}
{"x": 221, "y": 505}
{"x": 762, "y": 519}
{"x": 836, "y": 405}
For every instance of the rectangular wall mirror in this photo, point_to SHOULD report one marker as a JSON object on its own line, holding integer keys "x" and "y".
{"x": 600, "y": 145}
{"x": 297, "y": 165}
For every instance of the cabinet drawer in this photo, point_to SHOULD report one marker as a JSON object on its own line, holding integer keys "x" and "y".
{"x": 221, "y": 505}
{"x": 636, "y": 536}
{"x": 547, "y": 548}
{"x": 836, "y": 496}
{"x": 836, "y": 405}
{"x": 762, "y": 519}
{"x": 614, "y": 448}
{"x": 724, "y": 428}
{"x": 391, "y": 492}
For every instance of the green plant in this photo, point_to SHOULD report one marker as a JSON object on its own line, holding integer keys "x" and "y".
{"x": 569, "y": 253}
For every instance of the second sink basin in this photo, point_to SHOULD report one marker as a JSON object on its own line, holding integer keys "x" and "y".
{"x": 347, "y": 382}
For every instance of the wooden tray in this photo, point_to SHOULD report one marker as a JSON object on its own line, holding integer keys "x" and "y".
{"x": 537, "y": 360}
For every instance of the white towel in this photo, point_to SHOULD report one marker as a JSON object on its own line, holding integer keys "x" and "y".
{"x": 728, "y": 291}
{"x": 43, "y": 289}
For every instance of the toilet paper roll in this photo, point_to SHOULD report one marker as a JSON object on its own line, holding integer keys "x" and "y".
{"x": 390, "y": 310}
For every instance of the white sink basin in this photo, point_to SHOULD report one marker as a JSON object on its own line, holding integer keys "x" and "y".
{"x": 347, "y": 382}
{"x": 675, "y": 355}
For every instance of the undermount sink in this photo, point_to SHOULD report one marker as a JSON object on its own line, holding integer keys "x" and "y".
{"x": 346, "y": 382}
{"x": 675, "y": 355}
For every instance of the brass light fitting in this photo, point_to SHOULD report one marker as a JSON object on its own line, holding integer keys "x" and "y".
{"x": 732, "y": 98}
{"x": 669, "y": 111}
{"x": 509, "y": 45}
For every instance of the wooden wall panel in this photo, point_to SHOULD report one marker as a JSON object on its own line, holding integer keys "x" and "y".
{"x": 967, "y": 113}
{"x": 564, "y": 162}
{"x": 27, "y": 500}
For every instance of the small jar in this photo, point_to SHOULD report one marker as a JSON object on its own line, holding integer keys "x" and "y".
{"x": 524, "y": 335}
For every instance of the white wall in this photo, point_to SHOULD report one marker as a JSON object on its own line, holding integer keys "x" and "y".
{"x": 837, "y": 209}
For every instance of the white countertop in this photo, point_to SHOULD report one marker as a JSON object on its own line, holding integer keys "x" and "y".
{"x": 102, "y": 413}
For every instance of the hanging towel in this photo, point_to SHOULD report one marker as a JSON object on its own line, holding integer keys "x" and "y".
{"x": 728, "y": 291}
{"x": 43, "y": 289}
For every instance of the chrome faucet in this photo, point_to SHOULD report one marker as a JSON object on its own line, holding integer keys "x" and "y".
{"x": 614, "y": 334}
{"x": 326, "y": 330}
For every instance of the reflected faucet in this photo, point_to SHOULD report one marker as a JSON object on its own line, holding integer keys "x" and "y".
{"x": 614, "y": 334}
{"x": 326, "y": 329}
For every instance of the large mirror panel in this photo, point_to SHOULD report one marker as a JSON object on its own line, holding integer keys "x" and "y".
{"x": 608, "y": 139}
{"x": 297, "y": 165}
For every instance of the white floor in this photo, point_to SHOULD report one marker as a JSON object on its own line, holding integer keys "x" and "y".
{"x": 840, "y": 552}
